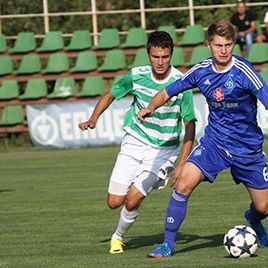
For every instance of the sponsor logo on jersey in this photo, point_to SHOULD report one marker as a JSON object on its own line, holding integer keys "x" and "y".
{"x": 207, "y": 82}
{"x": 218, "y": 94}
{"x": 229, "y": 85}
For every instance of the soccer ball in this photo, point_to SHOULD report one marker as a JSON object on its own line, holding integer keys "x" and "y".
{"x": 241, "y": 241}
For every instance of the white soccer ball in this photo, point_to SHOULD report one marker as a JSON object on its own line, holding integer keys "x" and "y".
{"x": 241, "y": 241}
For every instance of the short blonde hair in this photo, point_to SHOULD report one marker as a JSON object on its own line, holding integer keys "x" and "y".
{"x": 221, "y": 27}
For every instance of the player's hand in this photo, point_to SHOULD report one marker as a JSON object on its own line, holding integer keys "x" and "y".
{"x": 176, "y": 175}
{"x": 142, "y": 114}
{"x": 87, "y": 124}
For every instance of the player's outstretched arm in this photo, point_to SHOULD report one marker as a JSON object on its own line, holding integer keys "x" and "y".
{"x": 158, "y": 100}
{"x": 103, "y": 103}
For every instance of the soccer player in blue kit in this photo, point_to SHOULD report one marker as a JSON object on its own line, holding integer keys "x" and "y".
{"x": 232, "y": 137}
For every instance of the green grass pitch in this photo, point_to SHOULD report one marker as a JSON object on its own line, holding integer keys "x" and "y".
{"x": 53, "y": 213}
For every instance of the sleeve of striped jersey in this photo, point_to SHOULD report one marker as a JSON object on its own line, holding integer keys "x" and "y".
{"x": 187, "y": 81}
{"x": 122, "y": 87}
{"x": 187, "y": 106}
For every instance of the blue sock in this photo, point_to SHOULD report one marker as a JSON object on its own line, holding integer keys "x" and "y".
{"x": 176, "y": 212}
{"x": 255, "y": 216}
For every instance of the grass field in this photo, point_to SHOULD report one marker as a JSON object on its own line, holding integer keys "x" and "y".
{"x": 54, "y": 214}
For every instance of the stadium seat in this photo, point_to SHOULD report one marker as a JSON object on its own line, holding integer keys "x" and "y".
{"x": 177, "y": 57}
{"x": 169, "y": 29}
{"x": 258, "y": 28}
{"x": 35, "y": 88}
{"x": 193, "y": 35}
{"x": 6, "y": 65}
{"x": 237, "y": 50}
{"x": 52, "y": 41}
{"x": 141, "y": 58}
{"x": 9, "y": 90}
{"x": 109, "y": 38}
{"x": 264, "y": 74}
{"x": 3, "y": 44}
{"x": 114, "y": 60}
{"x": 57, "y": 63}
{"x": 117, "y": 78}
{"x": 80, "y": 40}
{"x": 258, "y": 53}
{"x": 136, "y": 37}
{"x": 29, "y": 64}
{"x": 92, "y": 86}
{"x": 25, "y": 42}
{"x": 12, "y": 115}
{"x": 199, "y": 54}
{"x": 63, "y": 88}
{"x": 85, "y": 62}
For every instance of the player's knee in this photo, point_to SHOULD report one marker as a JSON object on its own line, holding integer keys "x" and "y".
{"x": 114, "y": 202}
{"x": 131, "y": 205}
{"x": 262, "y": 208}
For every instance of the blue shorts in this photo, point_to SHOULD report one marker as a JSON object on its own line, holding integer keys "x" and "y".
{"x": 211, "y": 160}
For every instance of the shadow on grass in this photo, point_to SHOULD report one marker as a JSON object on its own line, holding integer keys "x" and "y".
{"x": 210, "y": 241}
{"x": 6, "y": 190}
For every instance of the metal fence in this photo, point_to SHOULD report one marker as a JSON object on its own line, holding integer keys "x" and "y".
{"x": 94, "y": 13}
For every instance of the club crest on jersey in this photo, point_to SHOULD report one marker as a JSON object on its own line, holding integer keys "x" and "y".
{"x": 218, "y": 94}
{"x": 229, "y": 85}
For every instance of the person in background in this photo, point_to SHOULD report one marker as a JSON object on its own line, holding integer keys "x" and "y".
{"x": 148, "y": 151}
{"x": 264, "y": 36}
{"x": 245, "y": 22}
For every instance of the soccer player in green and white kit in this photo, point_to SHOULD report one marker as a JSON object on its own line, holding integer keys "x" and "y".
{"x": 149, "y": 150}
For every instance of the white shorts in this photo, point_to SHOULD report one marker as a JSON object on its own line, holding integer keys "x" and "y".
{"x": 142, "y": 165}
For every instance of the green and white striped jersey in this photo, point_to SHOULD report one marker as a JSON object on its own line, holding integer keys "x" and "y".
{"x": 164, "y": 127}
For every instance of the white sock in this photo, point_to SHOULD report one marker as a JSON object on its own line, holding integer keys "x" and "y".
{"x": 126, "y": 220}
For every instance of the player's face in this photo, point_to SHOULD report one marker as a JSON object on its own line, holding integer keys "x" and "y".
{"x": 221, "y": 50}
{"x": 160, "y": 61}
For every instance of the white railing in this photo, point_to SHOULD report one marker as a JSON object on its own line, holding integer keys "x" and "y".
{"x": 94, "y": 13}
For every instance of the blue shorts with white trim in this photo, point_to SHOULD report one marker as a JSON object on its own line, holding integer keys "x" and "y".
{"x": 211, "y": 160}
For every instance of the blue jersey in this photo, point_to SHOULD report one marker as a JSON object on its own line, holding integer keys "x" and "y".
{"x": 232, "y": 98}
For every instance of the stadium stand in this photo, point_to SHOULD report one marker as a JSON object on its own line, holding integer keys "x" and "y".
{"x": 136, "y": 37}
{"x": 3, "y": 43}
{"x": 114, "y": 60}
{"x": 193, "y": 35}
{"x": 35, "y": 89}
{"x": 30, "y": 64}
{"x": 199, "y": 54}
{"x": 117, "y": 78}
{"x": 80, "y": 40}
{"x": 141, "y": 58}
{"x": 63, "y": 88}
{"x": 52, "y": 41}
{"x": 169, "y": 29}
{"x": 109, "y": 38}
{"x": 57, "y": 62}
{"x": 85, "y": 62}
{"x": 237, "y": 50}
{"x": 9, "y": 90}
{"x": 25, "y": 42}
{"x": 12, "y": 115}
{"x": 6, "y": 65}
{"x": 258, "y": 53}
{"x": 264, "y": 74}
{"x": 177, "y": 57}
{"x": 92, "y": 86}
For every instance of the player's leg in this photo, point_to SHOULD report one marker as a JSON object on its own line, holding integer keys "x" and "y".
{"x": 253, "y": 173}
{"x": 144, "y": 183}
{"x": 200, "y": 165}
{"x": 258, "y": 211}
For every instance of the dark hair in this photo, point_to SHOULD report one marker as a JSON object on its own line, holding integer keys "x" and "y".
{"x": 223, "y": 28}
{"x": 159, "y": 39}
